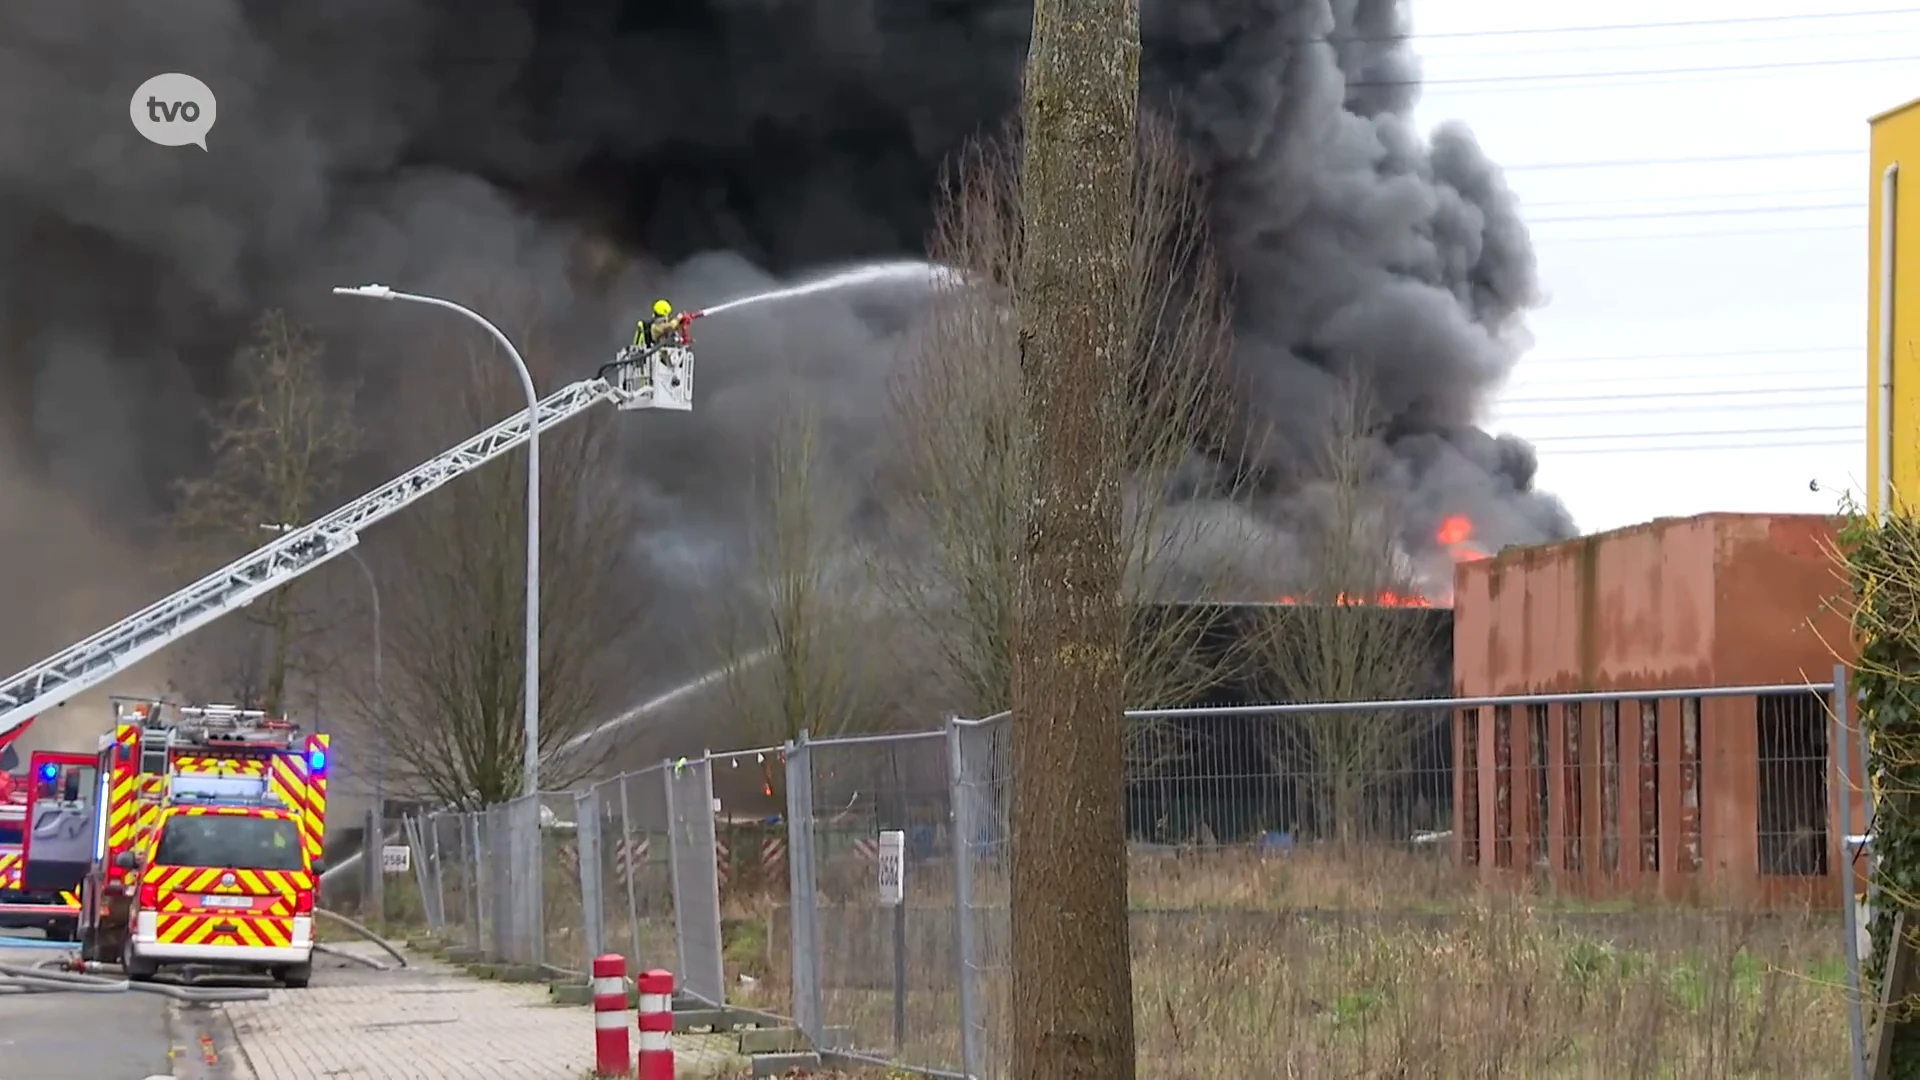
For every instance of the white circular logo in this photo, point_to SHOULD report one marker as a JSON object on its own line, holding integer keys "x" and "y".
{"x": 173, "y": 110}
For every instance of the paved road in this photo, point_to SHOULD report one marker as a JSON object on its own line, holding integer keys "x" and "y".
{"x": 64, "y": 1036}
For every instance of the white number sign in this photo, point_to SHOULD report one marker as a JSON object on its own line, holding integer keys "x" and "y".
{"x": 396, "y": 858}
{"x": 893, "y": 867}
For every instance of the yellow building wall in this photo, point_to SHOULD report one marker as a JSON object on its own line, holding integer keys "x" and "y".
{"x": 1896, "y": 140}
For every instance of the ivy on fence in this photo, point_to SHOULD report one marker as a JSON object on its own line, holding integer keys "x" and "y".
{"x": 1881, "y": 561}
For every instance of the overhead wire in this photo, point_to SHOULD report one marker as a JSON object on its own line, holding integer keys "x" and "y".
{"x": 1614, "y": 28}
{"x": 1697, "y": 159}
{"x": 1644, "y": 75}
{"x": 1697, "y": 448}
{"x": 1798, "y": 429}
{"x": 1666, "y": 395}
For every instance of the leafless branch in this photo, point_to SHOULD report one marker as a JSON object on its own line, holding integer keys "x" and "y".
{"x": 962, "y": 443}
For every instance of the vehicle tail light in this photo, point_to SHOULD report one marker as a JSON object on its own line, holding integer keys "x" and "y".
{"x": 150, "y": 894}
{"x": 303, "y": 902}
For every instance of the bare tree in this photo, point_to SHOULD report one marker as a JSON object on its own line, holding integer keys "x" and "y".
{"x": 963, "y": 443}
{"x": 280, "y": 445}
{"x": 453, "y": 709}
{"x": 790, "y": 649}
{"x": 1347, "y": 634}
{"x": 1079, "y": 314}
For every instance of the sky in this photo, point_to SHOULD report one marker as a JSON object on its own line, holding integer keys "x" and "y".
{"x": 1696, "y": 180}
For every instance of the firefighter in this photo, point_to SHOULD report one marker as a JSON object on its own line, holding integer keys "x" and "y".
{"x": 662, "y": 329}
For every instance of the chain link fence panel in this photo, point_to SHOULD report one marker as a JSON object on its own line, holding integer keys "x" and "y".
{"x": 696, "y": 880}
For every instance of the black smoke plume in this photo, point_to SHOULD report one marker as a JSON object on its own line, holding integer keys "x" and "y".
{"x": 718, "y": 144}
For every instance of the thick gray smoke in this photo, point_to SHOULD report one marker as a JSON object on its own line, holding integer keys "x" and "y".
{"x": 447, "y": 144}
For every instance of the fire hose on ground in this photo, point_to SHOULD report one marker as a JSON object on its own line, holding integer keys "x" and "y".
{"x": 59, "y": 976}
{"x": 56, "y": 977}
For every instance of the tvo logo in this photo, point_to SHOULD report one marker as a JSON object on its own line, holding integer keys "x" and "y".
{"x": 173, "y": 110}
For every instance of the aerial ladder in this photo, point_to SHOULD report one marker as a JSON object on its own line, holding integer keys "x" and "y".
{"x": 658, "y": 378}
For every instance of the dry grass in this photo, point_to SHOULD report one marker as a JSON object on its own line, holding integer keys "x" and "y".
{"x": 1374, "y": 966}
{"x": 1387, "y": 965}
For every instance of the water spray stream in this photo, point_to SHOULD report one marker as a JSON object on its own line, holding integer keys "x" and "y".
{"x": 661, "y": 701}
{"x": 887, "y": 273}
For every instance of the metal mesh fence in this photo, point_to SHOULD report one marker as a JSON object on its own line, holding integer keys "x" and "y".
{"x": 696, "y": 880}
{"x": 885, "y": 973}
{"x": 1627, "y": 883}
{"x": 1615, "y": 884}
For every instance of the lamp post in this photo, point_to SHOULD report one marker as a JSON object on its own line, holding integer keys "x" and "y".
{"x": 381, "y": 292}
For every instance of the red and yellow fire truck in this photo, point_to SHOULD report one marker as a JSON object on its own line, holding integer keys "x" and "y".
{"x": 208, "y": 849}
{"x": 55, "y": 913}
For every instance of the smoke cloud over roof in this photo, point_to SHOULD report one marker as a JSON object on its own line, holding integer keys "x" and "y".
{"x": 441, "y": 145}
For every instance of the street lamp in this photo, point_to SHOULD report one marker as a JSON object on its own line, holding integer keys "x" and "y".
{"x": 382, "y": 292}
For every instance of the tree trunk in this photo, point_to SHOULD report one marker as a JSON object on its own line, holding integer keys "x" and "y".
{"x": 1072, "y": 986}
{"x": 280, "y": 627}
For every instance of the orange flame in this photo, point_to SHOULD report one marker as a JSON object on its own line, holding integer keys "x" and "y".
{"x": 1456, "y": 535}
{"x": 1381, "y": 599}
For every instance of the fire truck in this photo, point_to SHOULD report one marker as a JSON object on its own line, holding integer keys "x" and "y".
{"x": 54, "y": 913}
{"x": 193, "y": 836}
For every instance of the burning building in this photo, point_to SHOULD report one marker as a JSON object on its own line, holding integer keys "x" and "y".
{"x": 1674, "y": 795}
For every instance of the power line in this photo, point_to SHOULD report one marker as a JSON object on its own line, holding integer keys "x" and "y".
{"x": 1796, "y": 407}
{"x": 1527, "y": 204}
{"x": 1715, "y": 433}
{"x": 1576, "y": 389}
{"x": 1668, "y": 43}
{"x": 1609, "y": 28}
{"x": 1619, "y": 238}
{"x": 1648, "y": 73}
{"x": 1751, "y": 391}
{"x": 1729, "y": 211}
{"x": 1704, "y": 159}
{"x": 1788, "y": 350}
{"x": 1695, "y": 448}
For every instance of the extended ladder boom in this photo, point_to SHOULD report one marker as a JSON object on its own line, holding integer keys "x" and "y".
{"x": 662, "y": 380}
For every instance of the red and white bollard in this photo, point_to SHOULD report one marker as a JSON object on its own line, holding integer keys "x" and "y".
{"x": 612, "y": 1055}
{"x": 656, "y": 1025}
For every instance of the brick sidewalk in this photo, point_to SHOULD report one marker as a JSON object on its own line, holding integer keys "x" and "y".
{"x": 430, "y": 1023}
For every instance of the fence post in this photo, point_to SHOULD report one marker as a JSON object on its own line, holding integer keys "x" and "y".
{"x": 437, "y": 906}
{"x": 802, "y": 922}
{"x": 631, "y": 859}
{"x": 537, "y": 888}
{"x": 1849, "y": 900}
{"x": 477, "y": 902}
{"x": 586, "y": 818}
{"x": 499, "y": 871}
{"x": 963, "y": 827}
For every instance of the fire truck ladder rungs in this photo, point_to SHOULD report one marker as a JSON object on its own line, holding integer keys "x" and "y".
{"x": 79, "y": 667}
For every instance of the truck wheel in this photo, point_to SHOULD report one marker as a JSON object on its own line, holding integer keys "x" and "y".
{"x": 137, "y": 969}
{"x": 296, "y": 976}
{"x": 62, "y": 929}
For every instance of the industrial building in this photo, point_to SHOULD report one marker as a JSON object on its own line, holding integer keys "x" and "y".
{"x": 1728, "y": 797}
{"x": 1893, "y": 304}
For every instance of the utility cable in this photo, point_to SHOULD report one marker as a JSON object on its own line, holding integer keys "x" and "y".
{"x": 1642, "y": 74}
{"x": 1612, "y": 28}
{"x": 1731, "y": 354}
{"x": 1696, "y": 448}
{"x": 1730, "y": 211}
{"x": 1719, "y": 196}
{"x": 1754, "y": 391}
{"x": 1545, "y": 241}
{"x": 1709, "y": 433}
{"x": 1702, "y": 159}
